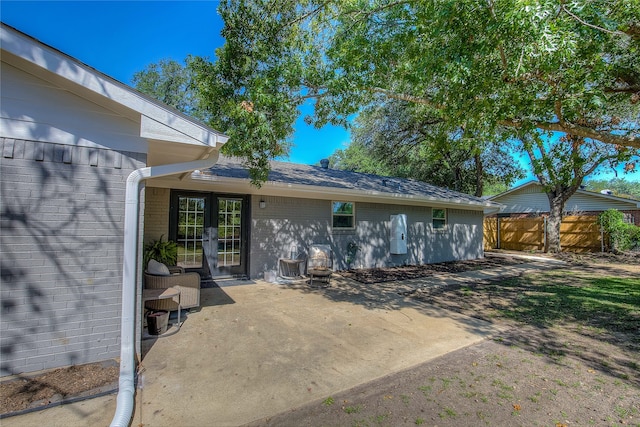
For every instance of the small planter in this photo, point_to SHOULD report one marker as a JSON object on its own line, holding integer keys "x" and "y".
{"x": 157, "y": 322}
{"x": 271, "y": 276}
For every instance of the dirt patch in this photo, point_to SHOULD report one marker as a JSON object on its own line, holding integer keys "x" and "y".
{"x": 407, "y": 272}
{"x": 51, "y": 387}
{"x": 570, "y": 356}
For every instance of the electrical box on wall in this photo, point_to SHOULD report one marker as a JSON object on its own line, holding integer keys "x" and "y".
{"x": 398, "y": 240}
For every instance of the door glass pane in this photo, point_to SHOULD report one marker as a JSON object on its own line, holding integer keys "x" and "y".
{"x": 190, "y": 228}
{"x": 229, "y": 232}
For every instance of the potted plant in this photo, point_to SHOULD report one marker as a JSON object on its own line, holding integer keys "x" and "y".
{"x": 165, "y": 252}
{"x": 352, "y": 248}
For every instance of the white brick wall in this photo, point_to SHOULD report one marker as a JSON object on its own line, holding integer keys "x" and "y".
{"x": 62, "y": 219}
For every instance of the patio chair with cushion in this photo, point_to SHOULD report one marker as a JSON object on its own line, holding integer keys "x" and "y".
{"x": 320, "y": 263}
{"x": 159, "y": 276}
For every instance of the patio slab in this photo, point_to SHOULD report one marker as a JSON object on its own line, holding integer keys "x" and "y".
{"x": 259, "y": 349}
{"x": 256, "y": 349}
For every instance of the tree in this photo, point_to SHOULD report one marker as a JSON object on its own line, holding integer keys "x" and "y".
{"x": 619, "y": 186}
{"x": 172, "y": 83}
{"x": 501, "y": 70}
{"x": 398, "y": 138}
{"x": 561, "y": 164}
{"x": 546, "y": 66}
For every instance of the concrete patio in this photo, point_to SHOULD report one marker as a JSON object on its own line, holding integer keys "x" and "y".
{"x": 255, "y": 349}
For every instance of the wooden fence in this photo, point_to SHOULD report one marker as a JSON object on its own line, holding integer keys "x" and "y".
{"x": 577, "y": 234}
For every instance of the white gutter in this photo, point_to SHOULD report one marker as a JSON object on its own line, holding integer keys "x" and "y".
{"x": 126, "y": 389}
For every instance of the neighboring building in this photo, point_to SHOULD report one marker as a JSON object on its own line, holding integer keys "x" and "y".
{"x": 529, "y": 199}
{"x": 71, "y": 136}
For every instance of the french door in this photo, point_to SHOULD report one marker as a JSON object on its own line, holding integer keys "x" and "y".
{"x": 211, "y": 232}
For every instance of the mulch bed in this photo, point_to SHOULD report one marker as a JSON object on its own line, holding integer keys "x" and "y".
{"x": 407, "y": 272}
{"x": 56, "y": 386}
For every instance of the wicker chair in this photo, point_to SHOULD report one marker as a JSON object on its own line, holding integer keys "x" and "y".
{"x": 188, "y": 283}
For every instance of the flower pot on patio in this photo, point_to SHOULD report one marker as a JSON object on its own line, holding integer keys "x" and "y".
{"x": 157, "y": 322}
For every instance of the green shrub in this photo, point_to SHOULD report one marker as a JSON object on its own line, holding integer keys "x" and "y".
{"x": 622, "y": 236}
{"x": 165, "y": 252}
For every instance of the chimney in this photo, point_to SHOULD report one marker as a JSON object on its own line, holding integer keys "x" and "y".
{"x": 324, "y": 163}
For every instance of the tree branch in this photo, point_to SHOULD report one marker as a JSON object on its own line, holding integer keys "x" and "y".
{"x": 503, "y": 57}
{"x": 577, "y": 18}
{"x": 406, "y": 97}
{"x": 629, "y": 140}
{"x": 306, "y": 15}
{"x": 585, "y": 132}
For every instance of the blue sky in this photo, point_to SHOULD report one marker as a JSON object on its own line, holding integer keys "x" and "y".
{"x": 119, "y": 38}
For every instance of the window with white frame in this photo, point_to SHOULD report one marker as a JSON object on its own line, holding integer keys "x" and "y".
{"x": 343, "y": 215}
{"x": 439, "y": 218}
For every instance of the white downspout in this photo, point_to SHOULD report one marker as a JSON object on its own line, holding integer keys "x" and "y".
{"x": 126, "y": 389}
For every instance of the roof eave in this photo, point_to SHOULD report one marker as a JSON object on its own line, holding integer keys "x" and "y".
{"x": 183, "y": 128}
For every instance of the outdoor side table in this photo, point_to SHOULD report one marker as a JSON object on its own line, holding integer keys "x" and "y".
{"x": 289, "y": 268}
{"x": 159, "y": 294}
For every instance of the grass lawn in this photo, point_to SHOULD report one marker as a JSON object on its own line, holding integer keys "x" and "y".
{"x": 568, "y": 297}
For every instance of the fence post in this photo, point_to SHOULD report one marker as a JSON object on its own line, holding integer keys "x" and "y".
{"x": 498, "y": 233}
{"x": 544, "y": 235}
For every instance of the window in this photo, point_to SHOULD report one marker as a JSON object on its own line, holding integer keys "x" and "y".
{"x": 343, "y": 214}
{"x": 439, "y": 218}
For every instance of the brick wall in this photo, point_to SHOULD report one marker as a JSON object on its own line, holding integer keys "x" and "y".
{"x": 156, "y": 213}
{"x": 62, "y": 219}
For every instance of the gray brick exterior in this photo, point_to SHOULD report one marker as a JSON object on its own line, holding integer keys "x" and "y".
{"x": 287, "y": 222}
{"x": 62, "y": 219}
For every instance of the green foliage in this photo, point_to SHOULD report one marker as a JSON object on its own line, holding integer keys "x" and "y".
{"x": 620, "y": 187}
{"x": 352, "y": 249}
{"x": 622, "y": 236}
{"x": 165, "y": 252}
{"x": 401, "y": 139}
{"x": 522, "y": 66}
{"x": 497, "y": 71}
{"x": 172, "y": 83}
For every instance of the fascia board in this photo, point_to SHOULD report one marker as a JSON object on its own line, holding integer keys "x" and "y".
{"x": 68, "y": 68}
{"x": 153, "y": 129}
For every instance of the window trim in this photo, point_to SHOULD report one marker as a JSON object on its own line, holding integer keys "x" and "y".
{"x": 434, "y": 219}
{"x": 352, "y": 215}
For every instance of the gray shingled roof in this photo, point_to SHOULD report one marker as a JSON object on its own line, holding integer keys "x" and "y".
{"x": 297, "y": 174}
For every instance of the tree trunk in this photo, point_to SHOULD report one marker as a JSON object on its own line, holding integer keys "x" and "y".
{"x": 479, "y": 175}
{"x": 556, "y": 207}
